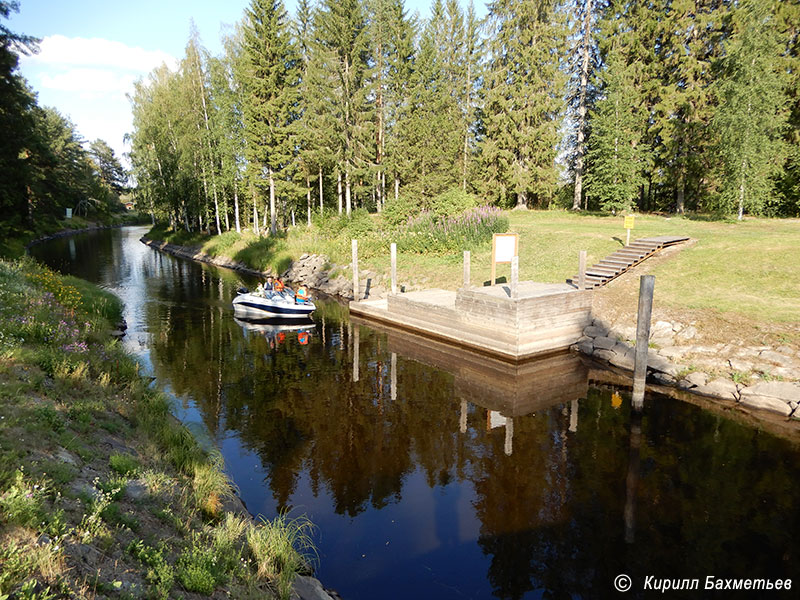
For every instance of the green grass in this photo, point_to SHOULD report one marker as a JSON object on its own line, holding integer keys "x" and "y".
{"x": 63, "y": 384}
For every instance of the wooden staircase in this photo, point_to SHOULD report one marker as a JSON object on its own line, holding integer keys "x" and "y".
{"x": 625, "y": 258}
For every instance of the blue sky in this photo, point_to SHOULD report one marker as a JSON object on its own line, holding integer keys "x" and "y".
{"x": 93, "y": 50}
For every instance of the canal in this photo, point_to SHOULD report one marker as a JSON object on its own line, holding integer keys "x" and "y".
{"x": 433, "y": 474}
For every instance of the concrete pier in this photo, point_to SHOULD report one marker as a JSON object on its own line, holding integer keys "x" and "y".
{"x": 542, "y": 318}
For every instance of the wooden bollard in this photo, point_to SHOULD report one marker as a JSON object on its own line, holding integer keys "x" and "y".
{"x": 356, "y": 357}
{"x": 515, "y": 277}
{"x": 646, "y": 285}
{"x": 582, "y": 270}
{"x": 393, "y": 251}
{"x": 355, "y": 270}
{"x": 393, "y": 377}
{"x": 466, "y": 269}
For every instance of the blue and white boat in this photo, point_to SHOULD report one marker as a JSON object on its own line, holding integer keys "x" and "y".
{"x": 271, "y": 304}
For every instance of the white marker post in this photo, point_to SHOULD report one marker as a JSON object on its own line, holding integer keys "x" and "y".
{"x": 355, "y": 270}
{"x": 394, "y": 267}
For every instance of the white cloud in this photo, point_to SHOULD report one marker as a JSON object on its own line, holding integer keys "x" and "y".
{"x": 97, "y": 52}
{"x": 88, "y": 80}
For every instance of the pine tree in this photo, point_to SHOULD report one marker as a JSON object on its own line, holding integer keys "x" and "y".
{"x": 752, "y": 111}
{"x": 524, "y": 90}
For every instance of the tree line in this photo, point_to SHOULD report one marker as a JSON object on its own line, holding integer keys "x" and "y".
{"x": 45, "y": 166}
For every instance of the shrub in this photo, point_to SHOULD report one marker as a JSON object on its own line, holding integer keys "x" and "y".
{"x": 399, "y": 211}
{"x": 452, "y": 202}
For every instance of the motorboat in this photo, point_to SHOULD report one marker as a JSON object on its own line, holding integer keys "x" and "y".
{"x": 270, "y": 303}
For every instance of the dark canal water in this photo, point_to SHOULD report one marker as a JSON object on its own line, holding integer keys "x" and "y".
{"x": 431, "y": 474}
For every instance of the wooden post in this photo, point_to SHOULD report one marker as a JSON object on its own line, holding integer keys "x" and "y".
{"x": 462, "y": 419}
{"x": 508, "y": 447}
{"x": 582, "y": 270}
{"x": 393, "y": 377}
{"x": 466, "y": 269}
{"x": 515, "y": 277}
{"x": 394, "y": 267}
{"x": 646, "y": 285}
{"x": 628, "y": 241}
{"x": 355, "y": 270}
{"x": 356, "y": 334}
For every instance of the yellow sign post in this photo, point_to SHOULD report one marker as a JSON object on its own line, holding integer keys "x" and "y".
{"x": 505, "y": 246}
{"x": 629, "y": 226}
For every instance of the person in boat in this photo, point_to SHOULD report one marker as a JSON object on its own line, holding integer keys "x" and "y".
{"x": 268, "y": 284}
{"x": 301, "y": 295}
{"x": 278, "y": 285}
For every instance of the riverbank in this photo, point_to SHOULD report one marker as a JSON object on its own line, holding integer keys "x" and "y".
{"x": 102, "y": 493}
{"x": 703, "y": 341}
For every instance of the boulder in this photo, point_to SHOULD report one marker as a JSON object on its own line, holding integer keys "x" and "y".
{"x": 697, "y": 378}
{"x": 308, "y": 588}
{"x": 719, "y": 388}
{"x": 594, "y": 331}
{"x": 663, "y": 378}
{"x": 672, "y": 352}
{"x": 776, "y": 358}
{"x": 656, "y": 362}
{"x": 686, "y": 334}
{"x": 772, "y": 395}
{"x": 603, "y": 354}
{"x": 623, "y": 356}
{"x": 740, "y": 365}
{"x": 604, "y": 343}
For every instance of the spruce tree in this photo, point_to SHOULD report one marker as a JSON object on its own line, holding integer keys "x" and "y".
{"x": 523, "y": 102}
{"x": 270, "y": 90}
{"x": 615, "y": 158}
{"x": 344, "y": 55}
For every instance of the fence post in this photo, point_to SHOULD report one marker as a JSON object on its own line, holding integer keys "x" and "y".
{"x": 394, "y": 267}
{"x": 466, "y": 269}
{"x": 646, "y": 285}
{"x": 356, "y": 293}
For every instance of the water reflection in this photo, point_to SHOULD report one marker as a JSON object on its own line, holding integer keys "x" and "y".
{"x": 435, "y": 473}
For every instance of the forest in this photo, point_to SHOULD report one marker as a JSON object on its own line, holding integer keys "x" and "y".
{"x": 667, "y": 106}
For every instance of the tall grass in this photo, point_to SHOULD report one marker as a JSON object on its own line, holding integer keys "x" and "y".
{"x": 282, "y": 548}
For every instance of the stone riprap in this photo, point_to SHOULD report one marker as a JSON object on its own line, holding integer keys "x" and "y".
{"x": 708, "y": 370}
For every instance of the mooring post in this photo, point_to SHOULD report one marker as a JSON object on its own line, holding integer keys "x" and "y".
{"x": 508, "y": 447}
{"x": 515, "y": 277}
{"x": 646, "y": 285}
{"x": 466, "y": 269}
{"x": 356, "y": 334}
{"x": 393, "y": 379}
{"x": 355, "y": 270}
{"x": 394, "y": 267}
{"x": 582, "y": 270}
{"x": 462, "y": 419}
